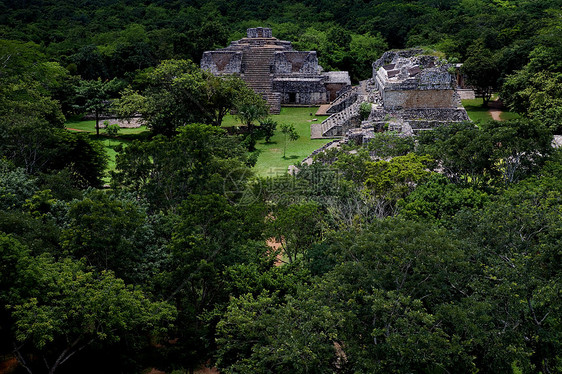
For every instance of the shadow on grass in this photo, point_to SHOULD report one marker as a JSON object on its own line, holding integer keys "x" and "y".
{"x": 145, "y": 135}
{"x": 478, "y": 113}
{"x": 125, "y": 138}
{"x": 290, "y": 157}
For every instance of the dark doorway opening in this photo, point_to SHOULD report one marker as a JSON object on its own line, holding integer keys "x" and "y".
{"x": 292, "y": 97}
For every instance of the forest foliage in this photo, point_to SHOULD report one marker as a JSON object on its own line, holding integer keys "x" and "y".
{"x": 437, "y": 255}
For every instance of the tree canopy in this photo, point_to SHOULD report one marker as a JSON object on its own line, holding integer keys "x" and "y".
{"x": 437, "y": 253}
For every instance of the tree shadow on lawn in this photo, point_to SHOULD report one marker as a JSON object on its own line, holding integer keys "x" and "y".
{"x": 292, "y": 157}
{"x": 145, "y": 135}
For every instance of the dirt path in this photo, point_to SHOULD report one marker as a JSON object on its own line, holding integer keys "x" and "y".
{"x": 495, "y": 110}
{"x": 496, "y": 114}
{"x": 275, "y": 245}
{"x": 71, "y": 129}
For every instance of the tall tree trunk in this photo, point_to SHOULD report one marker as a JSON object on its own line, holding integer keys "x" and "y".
{"x": 97, "y": 123}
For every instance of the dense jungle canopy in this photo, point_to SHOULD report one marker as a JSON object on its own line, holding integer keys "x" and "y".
{"x": 436, "y": 255}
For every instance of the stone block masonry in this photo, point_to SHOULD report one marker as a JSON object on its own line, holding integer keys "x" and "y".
{"x": 409, "y": 92}
{"x": 272, "y": 68}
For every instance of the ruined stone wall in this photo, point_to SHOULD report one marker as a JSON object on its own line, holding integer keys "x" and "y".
{"x": 272, "y": 67}
{"x": 300, "y": 91}
{"x": 281, "y": 65}
{"x": 466, "y": 94}
{"x": 259, "y": 32}
{"x": 441, "y": 115}
{"x": 420, "y": 114}
{"x": 388, "y": 56}
{"x": 222, "y": 62}
{"x": 334, "y": 89}
{"x": 429, "y": 79}
{"x": 295, "y": 62}
{"x": 419, "y": 99}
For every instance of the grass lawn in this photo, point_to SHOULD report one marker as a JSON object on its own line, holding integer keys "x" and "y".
{"x": 125, "y": 135}
{"x": 90, "y": 126}
{"x": 505, "y": 116}
{"x": 477, "y": 113}
{"x": 270, "y": 161}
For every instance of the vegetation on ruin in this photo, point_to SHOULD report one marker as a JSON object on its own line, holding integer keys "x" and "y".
{"x": 430, "y": 256}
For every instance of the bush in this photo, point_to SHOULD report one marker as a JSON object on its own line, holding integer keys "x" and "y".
{"x": 364, "y": 110}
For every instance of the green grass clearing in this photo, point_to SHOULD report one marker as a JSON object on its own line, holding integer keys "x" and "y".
{"x": 270, "y": 160}
{"x": 90, "y": 126}
{"x": 506, "y": 116}
{"x": 477, "y": 113}
{"x": 125, "y": 135}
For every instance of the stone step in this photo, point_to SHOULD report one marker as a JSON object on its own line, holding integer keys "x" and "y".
{"x": 257, "y": 75}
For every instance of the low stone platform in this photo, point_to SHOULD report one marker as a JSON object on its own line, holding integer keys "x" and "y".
{"x": 322, "y": 111}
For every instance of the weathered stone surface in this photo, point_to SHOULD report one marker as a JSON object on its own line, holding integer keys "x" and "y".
{"x": 259, "y": 32}
{"x": 274, "y": 69}
{"x": 408, "y": 92}
{"x": 222, "y": 62}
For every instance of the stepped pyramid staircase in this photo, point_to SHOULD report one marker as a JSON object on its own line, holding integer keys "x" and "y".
{"x": 348, "y": 116}
{"x": 257, "y": 75}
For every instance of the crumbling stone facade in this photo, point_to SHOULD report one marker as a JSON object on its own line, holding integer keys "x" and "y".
{"x": 409, "y": 92}
{"x": 274, "y": 69}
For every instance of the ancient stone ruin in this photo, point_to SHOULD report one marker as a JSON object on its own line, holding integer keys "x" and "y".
{"x": 274, "y": 69}
{"x": 409, "y": 92}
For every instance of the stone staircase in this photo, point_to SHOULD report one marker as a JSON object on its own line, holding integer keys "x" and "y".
{"x": 346, "y": 116}
{"x": 337, "y": 124}
{"x": 343, "y": 101}
{"x": 257, "y": 75}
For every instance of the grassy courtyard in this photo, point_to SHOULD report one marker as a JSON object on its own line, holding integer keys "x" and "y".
{"x": 124, "y": 136}
{"x": 478, "y": 113}
{"x": 270, "y": 160}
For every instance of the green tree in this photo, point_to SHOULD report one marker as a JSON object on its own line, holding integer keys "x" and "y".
{"x": 289, "y": 133}
{"x": 464, "y": 152}
{"x": 199, "y": 159}
{"x": 295, "y": 239}
{"x": 535, "y": 95}
{"x": 27, "y": 82}
{"x": 481, "y": 70}
{"x": 111, "y": 129}
{"x": 36, "y": 147}
{"x": 15, "y": 186}
{"x": 93, "y": 96}
{"x": 517, "y": 238}
{"x": 251, "y": 107}
{"x": 389, "y": 181}
{"x": 225, "y": 94}
{"x": 89, "y": 63}
{"x": 496, "y": 153}
{"x": 263, "y": 333}
{"x": 267, "y": 128}
{"x": 390, "y": 144}
{"x": 210, "y": 234}
{"x": 178, "y": 93}
{"x": 364, "y": 50}
{"x": 68, "y": 308}
{"x": 438, "y": 199}
{"x": 113, "y": 233}
{"x": 520, "y": 147}
{"x": 364, "y": 110}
